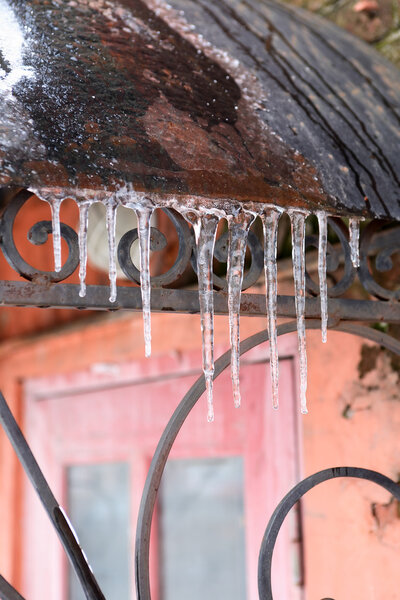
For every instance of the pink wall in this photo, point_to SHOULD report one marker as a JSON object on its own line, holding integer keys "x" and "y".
{"x": 352, "y": 535}
{"x": 352, "y": 551}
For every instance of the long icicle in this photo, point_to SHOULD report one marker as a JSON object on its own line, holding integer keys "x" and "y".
{"x": 323, "y": 286}
{"x": 270, "y": 224}
{"x": 83, "y": 228}
{"x": 111, "y": 217}
{"x": 205, "y": 229}
{"x": 298, "y": 253}
{"x": 354, "y": 234}
{"x": 144, "y": 217}
{"x": 238, "y": 232}
{"x": 55, "y": 204}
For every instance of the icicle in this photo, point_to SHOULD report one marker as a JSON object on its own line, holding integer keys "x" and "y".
{"x": 144, "y": 216}
{"x": 205, "y": 228}
{"x": 323, "y": 286}
{"x": 111, "y": 217}
{"x": 270, "y": 223}
{"x": 354, "y": 230}
{"x": 238, "y": 231}
{"x": 55, "y": 204}
{"x": 83, "y": 228}
{"x": 298, "y": 254}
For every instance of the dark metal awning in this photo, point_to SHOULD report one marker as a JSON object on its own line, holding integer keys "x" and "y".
{"x": 236, "y": 99}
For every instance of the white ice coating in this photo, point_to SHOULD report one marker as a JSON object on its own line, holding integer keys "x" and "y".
{"x": 11, "y": 49}
{"x": 205, "y": 229}
{"x": 144, "y": 217}
{"x": 354, "y": 232}
{"x": 323, "y": 286}
{"x": 83, "y": 228}
{"x": 298, "y": 254}
{"x": 270, "y": 224}
{"x": 55, "y": 204}
{"x": 238, "y": 232}
{"x": 111, "y": 218}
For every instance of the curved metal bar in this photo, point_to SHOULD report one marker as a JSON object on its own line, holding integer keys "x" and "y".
{"x": 54, "y": 511}
{"x": 252, "y": 274}
{"x": 159, "y": 242}
{"x": 177, "y": 420}
{"x": 37, "y": 235}
{"x": 332, "y": 262}
{"x": 280, "y": 513}
{"x": 7, "y": 591}
{"x": 385, "y": 247}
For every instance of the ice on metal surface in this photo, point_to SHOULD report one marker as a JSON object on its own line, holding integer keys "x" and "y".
{"x": 83, "y": 229}
{"x": 12, "y": 43}
{"x": 323, "y": 286}
{"x": 238, "y": 231}
{"x": 354, "y": 241}
{"x": 144, "y": 217}
{"x": 298, "y": 256}
{"x": 111, "y": 216}
{"x": 270, "y": 220}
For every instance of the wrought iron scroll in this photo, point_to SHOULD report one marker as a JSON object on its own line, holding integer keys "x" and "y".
{"x": 158, "y": 242}
{"x": 335, "y": 255}
{"x": 379, "y": 242}
{"x": 38, "y": 234}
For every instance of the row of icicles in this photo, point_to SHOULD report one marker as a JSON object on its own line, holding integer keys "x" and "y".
{"x": 205, "y": 223}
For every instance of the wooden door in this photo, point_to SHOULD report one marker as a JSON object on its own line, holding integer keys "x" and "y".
{"x": 114, "y": 414}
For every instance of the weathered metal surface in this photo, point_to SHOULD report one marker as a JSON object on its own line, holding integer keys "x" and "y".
{"x": 236, "y": 99}
{"x": 17, "y": 293}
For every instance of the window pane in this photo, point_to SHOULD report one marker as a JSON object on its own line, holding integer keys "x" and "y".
{"x": 202, "y": 530}
{"x": 98, "y": 501}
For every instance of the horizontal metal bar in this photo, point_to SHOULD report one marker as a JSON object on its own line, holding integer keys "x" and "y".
{"x": 58, "y": 295}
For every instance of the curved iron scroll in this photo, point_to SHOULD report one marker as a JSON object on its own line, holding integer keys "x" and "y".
{"x": 158, "y": 242}
{"x": 333, "y": 260}
{"x": 280, "y": 513}
{"x": 38, "y": 234}
{"x": 142, "y": 562}
{"x": 379, "y": 242}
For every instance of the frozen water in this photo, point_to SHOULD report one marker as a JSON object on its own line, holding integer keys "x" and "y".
{"x": 323, "y": 286}
{"x": 83, "y": 228}
{"x": 270, "y": 224}
{"x": 354, "y": 231}
{"x": 238, "y": 231}
{"x": 55, "y": 204}
{"x": 298, "y": 254}
{"x": 205, "y": 229}
{"x": 204, "y": 218}
{"x": 111, "y": 216}
{"x": 11, "y": 49}
{"x": 144, "y": 217}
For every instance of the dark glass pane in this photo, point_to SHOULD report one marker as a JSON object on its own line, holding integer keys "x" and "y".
{"x": 202, "y": 530}
{"x": 99, "y": 507}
